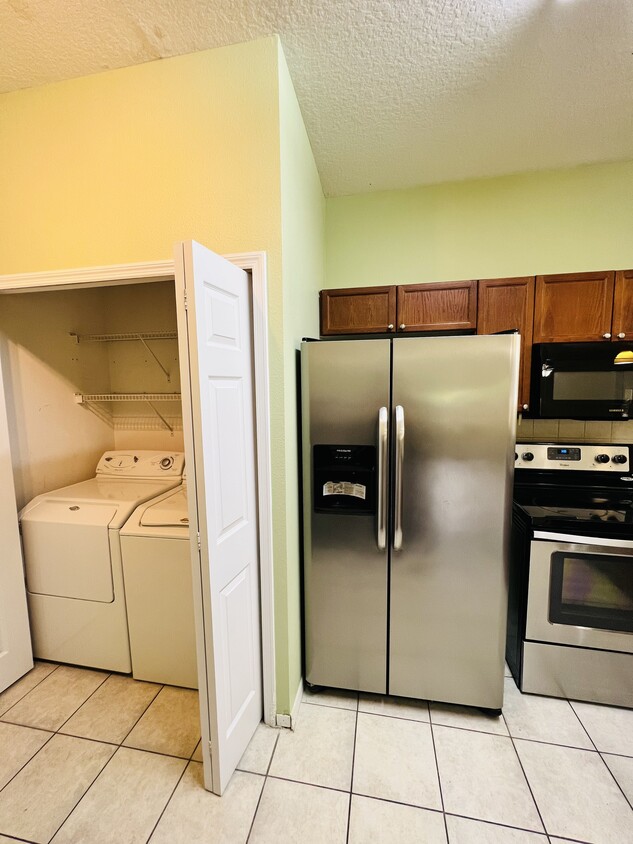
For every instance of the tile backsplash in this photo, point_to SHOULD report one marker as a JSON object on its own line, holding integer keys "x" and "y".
{"x": 574, "y": 430}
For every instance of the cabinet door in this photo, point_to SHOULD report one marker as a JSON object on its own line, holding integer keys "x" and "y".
{"x": 505, "y": 303}
{"x": 358, "y": 310}
{"x": 575, "y": 307}
{"x": 623, "y": 306}
{"x": 437, "y": 307}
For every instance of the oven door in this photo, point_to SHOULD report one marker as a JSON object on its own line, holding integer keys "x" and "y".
{"x": 580, "y": 592}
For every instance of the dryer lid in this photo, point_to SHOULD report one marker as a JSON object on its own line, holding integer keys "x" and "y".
{"x": 170, "y": 511}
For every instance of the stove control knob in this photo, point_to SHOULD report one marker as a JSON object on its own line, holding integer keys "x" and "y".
{"x": 602, "y": 458}
{"x": 516, "y": 456}
{"x": 619, "y": 458}
{"x": 527, "y": 456}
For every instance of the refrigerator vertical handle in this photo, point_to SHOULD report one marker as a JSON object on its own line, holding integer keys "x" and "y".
{"x": 397, "y": 516}
{"x": 383, "y": 441}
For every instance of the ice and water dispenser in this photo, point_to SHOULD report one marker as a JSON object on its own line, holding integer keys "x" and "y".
{"x": 344, "y": 479}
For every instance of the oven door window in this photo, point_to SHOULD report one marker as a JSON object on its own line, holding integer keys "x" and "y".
{"x": 591, "y": 590}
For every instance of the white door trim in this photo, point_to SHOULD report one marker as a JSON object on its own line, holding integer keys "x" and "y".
{"x": 255, "y": 264}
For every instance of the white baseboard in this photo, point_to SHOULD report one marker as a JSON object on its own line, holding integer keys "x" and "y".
{"x": 289, "y": 721}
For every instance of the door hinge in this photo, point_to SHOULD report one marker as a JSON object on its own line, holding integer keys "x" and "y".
{"x": 199, "y": 544}
{"x": 184, "y": 293}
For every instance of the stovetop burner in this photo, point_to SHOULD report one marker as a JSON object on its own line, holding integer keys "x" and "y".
{"x": 581, "y": 497}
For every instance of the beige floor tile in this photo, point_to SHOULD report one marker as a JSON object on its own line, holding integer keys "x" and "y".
{"x": 294, "y": 813}
{"x": 394, "y": 760}
{"x": 24, "y": 685}
{"x": 622, "y": 769}
{"x": 320, "y": 750}
{"x": 195, "y": 816}
{"x": 259, "y": 752}
{"x": 56, "y": 698}
{"x": 332, "y": 697}
{"x": 468, "y": 718}
{"x": 396, "y": 707}
{"x": 465, "y": 831}
{"x": 36, "y": 801}
{"x": 610, "y": 728}
{"x": 381, "y": 822}
{"x": 481, "y": 778}
{"x": 17, "y": 746}
{"x": 170, "y": 725}
{"x": 125, "y": 800}
{"x": 113, "y": 709}
{"x": 576, "y": 794}
{"x": 197, "y": 753}
{"x": 546, "y": 719}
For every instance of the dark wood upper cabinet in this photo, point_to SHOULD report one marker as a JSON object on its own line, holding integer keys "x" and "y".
{"x": 574, "y": 307}
{"x": 358, "y": 310}
{"x": 503, "y": 304}
{"x": 623, "y": 306}
{"x": 437, "y": 307}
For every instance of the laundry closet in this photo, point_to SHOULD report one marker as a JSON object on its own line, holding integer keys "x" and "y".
{"x": 129, "y": 370}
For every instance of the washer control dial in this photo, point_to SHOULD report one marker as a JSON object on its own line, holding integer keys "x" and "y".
{"x": 166, "y": 462}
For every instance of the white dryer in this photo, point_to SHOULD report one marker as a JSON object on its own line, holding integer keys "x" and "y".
{"x": 72, "y": 558}
{"x": 158, "y": 588}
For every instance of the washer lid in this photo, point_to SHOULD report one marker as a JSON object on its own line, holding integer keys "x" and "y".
{"x": 170, "y": 511}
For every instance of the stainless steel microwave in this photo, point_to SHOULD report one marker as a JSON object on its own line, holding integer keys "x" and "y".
{"x": 582, "y": 381}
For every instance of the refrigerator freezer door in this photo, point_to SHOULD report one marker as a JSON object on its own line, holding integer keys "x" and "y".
{"x": 345, "y": 396}
{"x": 449, "y": 580}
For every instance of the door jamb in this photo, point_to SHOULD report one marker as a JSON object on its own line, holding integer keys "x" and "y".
{"x": 254, "y": 263}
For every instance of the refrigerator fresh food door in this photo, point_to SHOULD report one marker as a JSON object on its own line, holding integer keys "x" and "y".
{"x": 345, "y": 401}
{"x": 455, "y": 398}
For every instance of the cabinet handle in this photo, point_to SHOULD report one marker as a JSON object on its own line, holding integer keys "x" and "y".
{"x": 526, "y": 407}
{"x": 402, "y": 326}
{"x": 607, "y": 336}
{"x": 621, "y": 335}
{"x": 390, "y": 326}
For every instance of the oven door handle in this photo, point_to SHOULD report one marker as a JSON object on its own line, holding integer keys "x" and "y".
{"x": 598, "y": 542}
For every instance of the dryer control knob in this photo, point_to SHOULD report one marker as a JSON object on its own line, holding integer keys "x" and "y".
{"x": 166, "y": 462}
{"x": 602, "y": 458}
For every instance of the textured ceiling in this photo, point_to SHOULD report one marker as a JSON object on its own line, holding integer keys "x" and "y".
{"x": 394, "y": 93}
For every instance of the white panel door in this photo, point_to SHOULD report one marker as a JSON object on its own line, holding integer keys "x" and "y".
{"x": 16, "y": 655}
{"x": 214, "y": 312}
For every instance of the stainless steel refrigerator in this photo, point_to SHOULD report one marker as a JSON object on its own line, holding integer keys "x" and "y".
{"x": 408, "y": 454}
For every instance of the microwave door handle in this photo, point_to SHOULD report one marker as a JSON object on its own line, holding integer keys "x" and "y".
{"x": 397, "y": 530}
{"x": 546, "y": 369}
{"x": 383, "y": 441}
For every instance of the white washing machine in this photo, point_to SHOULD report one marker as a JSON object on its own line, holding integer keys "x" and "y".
{"x": 72, "y": 558}
{"x": 158, "y": 588}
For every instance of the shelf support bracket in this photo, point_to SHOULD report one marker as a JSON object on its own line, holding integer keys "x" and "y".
{"x": 162, "y": 418}
{"x": 155, "y": 358}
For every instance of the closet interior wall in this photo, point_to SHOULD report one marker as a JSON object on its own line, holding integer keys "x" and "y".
{"x": 54, "y": 440}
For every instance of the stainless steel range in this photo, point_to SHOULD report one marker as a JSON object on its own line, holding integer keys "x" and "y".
{"x": 570, "y": 620}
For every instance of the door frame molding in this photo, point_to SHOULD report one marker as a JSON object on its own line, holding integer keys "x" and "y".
{"x": 254, "y": 263}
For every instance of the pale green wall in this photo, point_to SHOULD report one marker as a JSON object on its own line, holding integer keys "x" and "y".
{"x": 116, "y": 167}
{"x": 303, "y": 247}
{"x": 546, "y": 222}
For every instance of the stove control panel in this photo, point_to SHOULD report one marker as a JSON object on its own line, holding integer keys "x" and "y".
{"x": 585, "y": 456}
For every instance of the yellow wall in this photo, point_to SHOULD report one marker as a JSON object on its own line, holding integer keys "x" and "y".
{"x": 546, "y": 222}
{"x": 116, "y": 167}
{"x": 303, "y": 247}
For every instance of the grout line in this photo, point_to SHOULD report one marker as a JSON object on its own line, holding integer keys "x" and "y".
{"x": 615, "y": 779}
{"x": 98, "y": 774}
{"x": 50, "y": 673}
{"x": 582, "y": 725}
{"x": 261, "y": 793}
{"x": 93, "y": 692}
{"x": 127, "y": 735}
{"x": 351, "y": 781}
{"x": 22, "y": 767}
{"x": 544, "y": 835}
{"x": 168, "y": 801}
{"x": 439, "y": 779}
{"x": 525, "y": 775}
{"x": 330, "y": 706}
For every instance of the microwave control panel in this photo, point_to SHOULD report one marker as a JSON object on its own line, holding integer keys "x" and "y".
{"x": 590, "y": 457}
